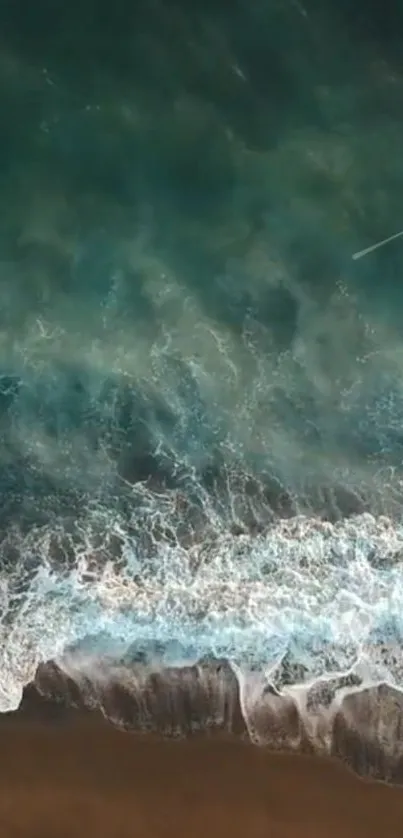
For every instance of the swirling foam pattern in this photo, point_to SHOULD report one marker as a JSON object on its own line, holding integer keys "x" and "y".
{"x": 325, "y": 598}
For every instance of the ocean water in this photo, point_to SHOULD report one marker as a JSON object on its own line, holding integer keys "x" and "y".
{"x": 201, "y": 391}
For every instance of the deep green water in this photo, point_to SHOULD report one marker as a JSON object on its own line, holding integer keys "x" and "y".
{"x": 194, "y": 179}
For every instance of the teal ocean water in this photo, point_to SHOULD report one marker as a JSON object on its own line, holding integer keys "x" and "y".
{"x": 201, "y": 391}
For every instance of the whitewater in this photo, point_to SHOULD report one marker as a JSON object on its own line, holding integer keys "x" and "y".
{"x": 302, "y": 601}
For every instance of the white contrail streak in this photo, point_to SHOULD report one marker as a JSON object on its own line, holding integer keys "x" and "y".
{"x": 361, "y": 253}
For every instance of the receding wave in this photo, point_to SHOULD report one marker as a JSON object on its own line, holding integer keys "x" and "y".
{"x": 304, "y": 605}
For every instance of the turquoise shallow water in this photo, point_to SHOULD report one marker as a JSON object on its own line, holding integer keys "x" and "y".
{"x": 200, "y": 389}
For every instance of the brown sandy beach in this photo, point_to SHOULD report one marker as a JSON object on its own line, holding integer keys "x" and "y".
{"x": 84, "y": 777}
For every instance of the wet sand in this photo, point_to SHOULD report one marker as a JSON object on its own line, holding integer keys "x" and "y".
{"x": 85, "y": 777}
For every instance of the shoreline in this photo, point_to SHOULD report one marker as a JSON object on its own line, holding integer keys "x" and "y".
{"x": 361, "y": 728}
{"x": 67, "y": 771}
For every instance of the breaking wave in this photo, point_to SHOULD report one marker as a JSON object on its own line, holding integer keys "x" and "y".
{"x": 303, "y": 600}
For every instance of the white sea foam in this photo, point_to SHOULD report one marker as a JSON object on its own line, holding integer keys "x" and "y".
{"x": 319, "y": 598}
